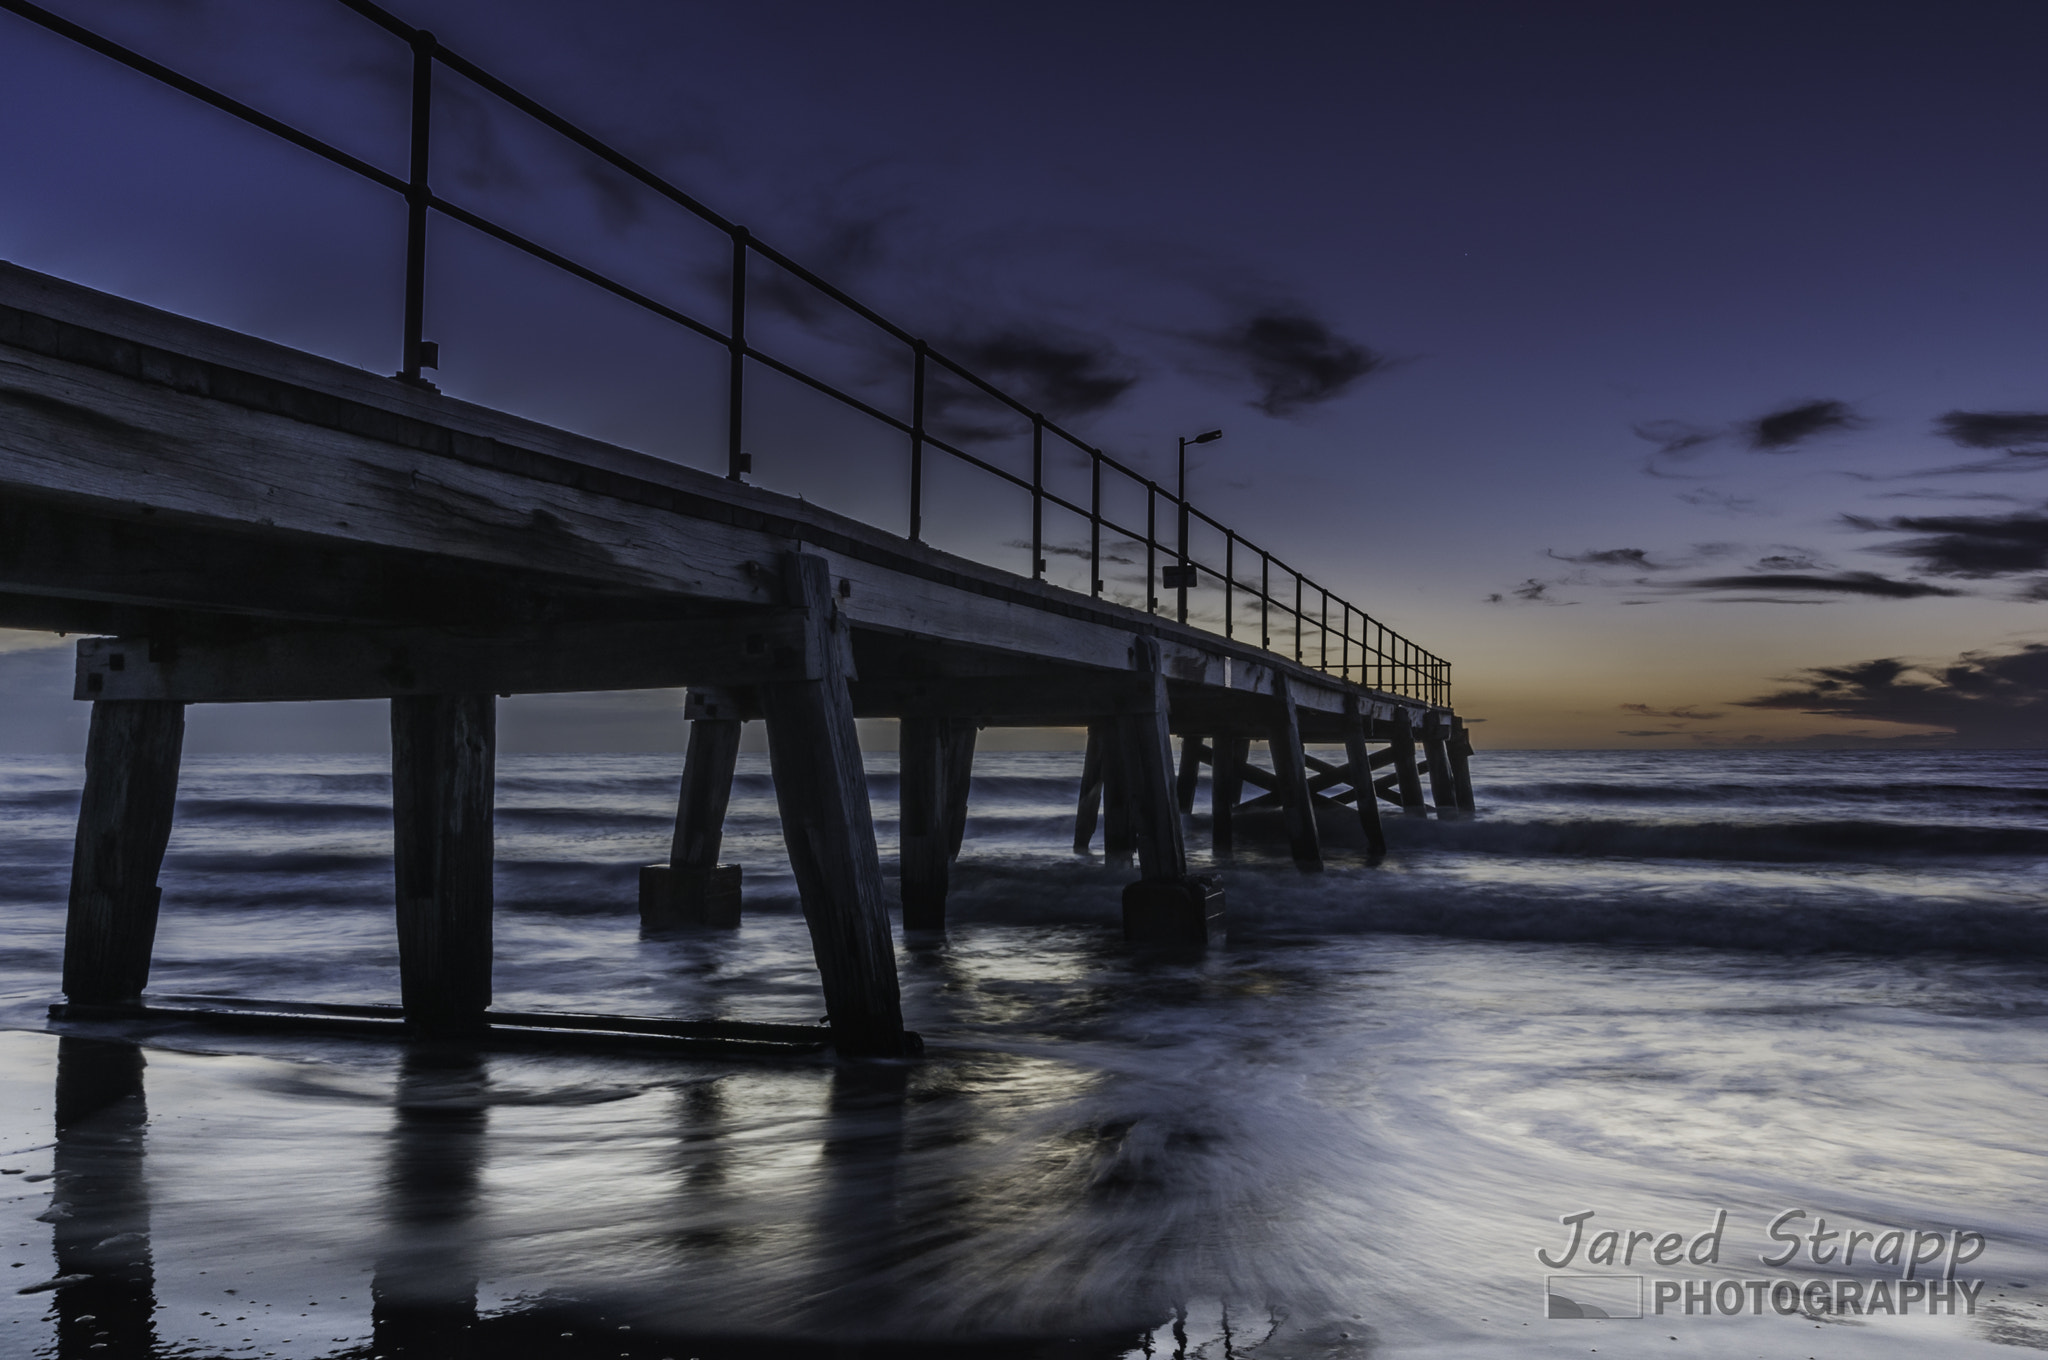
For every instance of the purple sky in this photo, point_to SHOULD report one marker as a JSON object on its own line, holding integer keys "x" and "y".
{"x": 1602, "y": 348}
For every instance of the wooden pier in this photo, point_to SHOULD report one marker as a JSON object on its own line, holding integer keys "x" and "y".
{"x": 235, "y": 522}
{"x": 232, "y": 521}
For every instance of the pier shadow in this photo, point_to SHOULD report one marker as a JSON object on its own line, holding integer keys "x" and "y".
{"x": 423, "y": 1290}
{"x": 100, "y": 1206}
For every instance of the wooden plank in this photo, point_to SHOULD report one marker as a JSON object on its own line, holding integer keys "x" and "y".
{"x": 756, "y": 648}
{"x": 1284, "y": 740}
{"x": 693, "y": 889}
{"x": 1360, "y": 773}
{"x": 1226, "y": 786}
{"x": 1146, "y": 755}
{"x": 124, "y": 823}
{"x": 1092, "y": 782}
{"x": 443, "y": 763}
{"x": 1407, "y": 777}
{"x": 822, "y": 791}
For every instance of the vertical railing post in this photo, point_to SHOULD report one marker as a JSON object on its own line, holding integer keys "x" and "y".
{"x": 1095, "y": 523}
{"x": 1297, "y": 617}
{"x": 1229, "y": 581}
{"x": 1151, "y": 536}
{"x": 1323, "y": 634}
{"x": 736, "y": 460}
{"x": 1265, "y": 599}
{"x": 1181, "y": 610}
{"x": 1037, "y": 497}
{"x": 418, "y": 199}
{"x": 917, "y": 443}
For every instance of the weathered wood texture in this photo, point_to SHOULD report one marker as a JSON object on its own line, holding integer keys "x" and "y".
{"x": 1408, "y": 778}
{"x": 1231, "y": 754}
{"x": 443, "y": 768}
{"x": 693, "y": 889}
{"x": 822, "y": 791}
{"x": 387, "y": 663}
{"x": 358, "y": 482}
{"x": 1146, "y": 755}
{"x": 1089, "y": 806}
{"x": 1461, "y": 765}
{"x": 960, "y": 739}
{"x": 1284, "y": 740}
{"x": 1359, "y": 772}
{"x": 124, "y": 823}
{"x": 1443, "y": 786}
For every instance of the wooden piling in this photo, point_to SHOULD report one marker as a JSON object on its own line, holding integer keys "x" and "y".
{"x": 693, "y": 889}
{"x": 821, "y": 789}
{"x": 1190, "y": 772}
{"x": 1408, "y": 779}
{"x": 960, "y": 734}
{"x": 124, "y": 823}
{"x": 1359, "y": 772}
{"x": 443, "y": 764}
{"x": 1284, "y": 740}
{"x": 1086, "y": 812}
{"x": 925, "y": 831}
{"x": 1146, "y": 757}
{"x": 1166, "y": 906}
{"x": 1226, "y": 786}
{"x": 1443, "y": 787}
{"x": 1461, "y": 765}
{"x": 1119, "y": 815}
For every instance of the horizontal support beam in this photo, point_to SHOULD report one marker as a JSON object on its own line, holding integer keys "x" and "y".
{"x": 756, "y": 648}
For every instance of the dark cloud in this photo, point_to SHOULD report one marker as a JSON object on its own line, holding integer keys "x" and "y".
{"x": 1982, "y": 699}
{"x": 1678, "y": 439}
{"x": 1070, "y": 550}
{"x": 1531, "y": 591}
{"x": 1994, "y": 429}
{"x": 1847, "y": 583}
{"x": 1685, "y": 711}
{"x": 2015, "y": 460}
{"x": 1928, "y": 493}
{"x": 1609, "y": 557}
{"x": 1296, "y": 359}
{"x": 1793, "y": 561}
{"x": 1785, "y": 429}
{"x": 1061, "y": 376}
{"x": 1975, "y": 546}
{"x": 1651, "y": 732}
{"x": 842, "y": 252}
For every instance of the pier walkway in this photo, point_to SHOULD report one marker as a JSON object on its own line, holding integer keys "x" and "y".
{"x": 232, "y": 521}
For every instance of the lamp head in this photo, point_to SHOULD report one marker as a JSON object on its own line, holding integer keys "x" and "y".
{"x": 1208, "y": 438}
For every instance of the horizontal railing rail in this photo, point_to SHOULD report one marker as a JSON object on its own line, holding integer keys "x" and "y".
{"x": 1355, "y": 647}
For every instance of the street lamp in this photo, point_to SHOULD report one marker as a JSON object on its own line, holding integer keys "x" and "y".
{"x": 1183, "y": 574}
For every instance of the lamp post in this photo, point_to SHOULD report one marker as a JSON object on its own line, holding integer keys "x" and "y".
{"x": 1185, "y": 573}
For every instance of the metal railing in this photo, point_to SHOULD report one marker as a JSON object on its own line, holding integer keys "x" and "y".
{"x": 1355, "y": 647}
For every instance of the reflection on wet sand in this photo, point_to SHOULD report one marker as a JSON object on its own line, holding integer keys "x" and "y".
{"x": 425, "y": 1283}
{"x": 100, "y": 1211}
{"x": 866, "y": 1227}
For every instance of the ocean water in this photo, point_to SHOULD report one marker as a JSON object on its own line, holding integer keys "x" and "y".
{"x": 1658, "y": 987}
